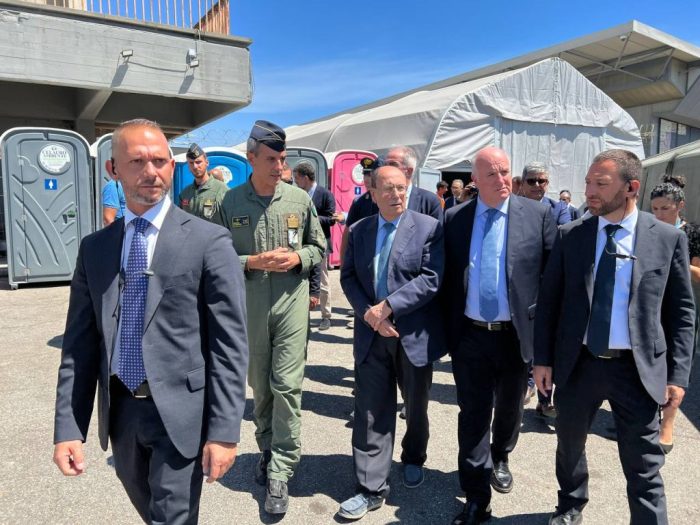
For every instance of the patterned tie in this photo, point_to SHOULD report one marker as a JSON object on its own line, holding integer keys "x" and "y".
{"x": 488, "y": 279}
{"x": 383, "y": 262}
{"x": 601, "y": 307}
{"x": 131, "y": 370}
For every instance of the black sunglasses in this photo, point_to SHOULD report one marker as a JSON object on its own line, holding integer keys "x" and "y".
{"x": 541, "y": 182}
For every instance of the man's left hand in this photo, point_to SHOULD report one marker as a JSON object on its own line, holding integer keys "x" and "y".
{"x": 376, "y": 314}
{"x": 313, "y": 302}
{"x": 218, "y": 458}
{"x": 282, "y": 260}
{"x": 674, "y": 396}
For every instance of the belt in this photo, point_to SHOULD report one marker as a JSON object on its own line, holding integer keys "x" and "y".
{"x": 612, "y": 353}
{"x": 497, "y": 326}
{"x": 143, "y": 391}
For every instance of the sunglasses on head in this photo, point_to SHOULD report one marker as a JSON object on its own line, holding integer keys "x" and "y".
{"x": 541, "y": 182}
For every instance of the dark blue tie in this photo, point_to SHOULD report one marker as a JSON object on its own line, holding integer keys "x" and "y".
{"x": 488, "y": 277}
{"x": 131, "y": 370}
{"x": 383, "y": 262}
{"x": 601, "y": 307}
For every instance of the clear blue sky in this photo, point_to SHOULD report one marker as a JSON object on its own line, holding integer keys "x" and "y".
{"x": 311, "y": 58}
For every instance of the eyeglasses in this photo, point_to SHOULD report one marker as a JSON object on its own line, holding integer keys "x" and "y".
{"x": 540, "y": 182}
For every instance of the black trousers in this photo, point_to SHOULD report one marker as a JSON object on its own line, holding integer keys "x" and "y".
{"x": 636, "y": 418}
{"x": 374, "y": 427}
{"x": 491, "y": 377}
{"x": 164, "y": 486}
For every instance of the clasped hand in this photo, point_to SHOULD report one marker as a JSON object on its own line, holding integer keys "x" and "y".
{"x": 278, "y": 260}
{"x": 377, "y": 317}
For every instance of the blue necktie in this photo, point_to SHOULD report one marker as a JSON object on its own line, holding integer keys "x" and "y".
{"x": 601, "y": 306}
{"x": 383, "y": 262}
{"x": 488, "y": 279}
{"x": 131, "y": 370}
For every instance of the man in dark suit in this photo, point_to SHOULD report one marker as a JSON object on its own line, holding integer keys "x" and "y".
{"x": 615, "y": 322}
{"x": 489, "y": 314}
{"x": 534, "y": 186}
{"x": 391, "y": 275}
{"x": 417, "y": 199}
{"x": 305, "y": 178}
{"x": 457, "y": 187}
{"x": 156, "y": 324}
{"x": 565, "y": 196}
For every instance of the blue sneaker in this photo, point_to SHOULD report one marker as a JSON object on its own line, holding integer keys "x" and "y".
{"x": 412, "y": 476}
{"x": 359, "y": 505}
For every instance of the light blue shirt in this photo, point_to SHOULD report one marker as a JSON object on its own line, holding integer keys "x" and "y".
{"x": 312, "y": 190}
{"x": 619, "y": 317}
{"x": 381, "y": 233}
{"x": 156, "y": 216}
{"x": 501, "y": 225}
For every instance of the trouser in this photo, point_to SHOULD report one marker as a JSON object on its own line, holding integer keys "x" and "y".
{"x": 325, "y": 299}
{"x": 592, "y": 381}
{"x": 490, "y": 376}
{"x": 278, "y": 320}
{"x": 374, "y": 428}
{"x": 164, "y": 486}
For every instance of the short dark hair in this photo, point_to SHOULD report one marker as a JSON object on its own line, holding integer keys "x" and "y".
{"x": 305, "y": 169}
{"x": 669, "y": 191}
{"x": 628, "y": 164}
{"x": 441, "y": 184}
{"x": 565, "y": 191}
{"x": 675, "y": 179}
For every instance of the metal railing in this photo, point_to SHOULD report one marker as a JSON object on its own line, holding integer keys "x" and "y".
{"x": 210, "y": 16}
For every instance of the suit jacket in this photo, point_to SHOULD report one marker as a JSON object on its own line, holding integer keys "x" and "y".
{"x": 361, "y": 207}
{"x": 415, "y": 271}
{"x": 560, "y": 211}
{"x": 574, "y": 212}
{"x": 661, "y": 308}
{"x": 451, "y": 202}
{"x": 325, "y": 207}
{"x": 425, "y": 202}
{"x": 530, "y": 236}
{"x": 195, "y": 347}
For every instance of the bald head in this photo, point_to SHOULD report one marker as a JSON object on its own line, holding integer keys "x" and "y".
{"x": 491, "y": 174}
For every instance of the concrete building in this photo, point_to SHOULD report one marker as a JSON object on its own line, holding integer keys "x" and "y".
{"x": 649, "y": 73}
{"x": 69, "y": 64}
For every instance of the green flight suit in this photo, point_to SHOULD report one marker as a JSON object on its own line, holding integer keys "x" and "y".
{"x": 204, "y": 201}
{"x": 278, "y": 311}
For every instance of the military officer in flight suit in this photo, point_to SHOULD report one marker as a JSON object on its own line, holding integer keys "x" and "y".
{"x": 203, "y": 197}
{"x": 277, "y": 234}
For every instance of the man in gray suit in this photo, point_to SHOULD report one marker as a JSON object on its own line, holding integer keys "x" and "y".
{"x": 489, "y": 315}
{"x": 157, "y": 325}
{"x": 615, "y": 322}
{"x": 391, "y": 274}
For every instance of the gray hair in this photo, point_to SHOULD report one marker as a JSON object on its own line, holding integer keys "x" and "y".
{"x": 534, "y": 168}
{"x": 408, "y": 156}
{"x": 628, "y": 164}
{"x": 252, "y": 146}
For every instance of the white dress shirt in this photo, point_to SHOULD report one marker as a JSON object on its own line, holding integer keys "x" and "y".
{"x": 501, "y": 225}
{"x": 619, "y": 319}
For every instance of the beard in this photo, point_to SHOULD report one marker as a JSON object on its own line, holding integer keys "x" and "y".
{"x": 606, "y": 207}
{"x": 148, "y": 200}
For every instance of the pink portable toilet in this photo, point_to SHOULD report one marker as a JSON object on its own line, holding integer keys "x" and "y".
{"x": 346, "y": 184}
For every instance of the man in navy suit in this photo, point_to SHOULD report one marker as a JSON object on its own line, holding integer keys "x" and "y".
{"x": 391, "y": 274}
{"x": 157, "y": 326}
{"x": 615, "y": 322}
{"x": 535, "y": 185}
{"x": 565, "y": 196}
{"x": 496, "y": 247}
{"x": 305, "y": 177}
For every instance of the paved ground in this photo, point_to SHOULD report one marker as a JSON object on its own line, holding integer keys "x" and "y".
{"x": 33, "y": 491}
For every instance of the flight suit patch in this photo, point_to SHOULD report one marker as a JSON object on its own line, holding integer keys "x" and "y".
{"x": 238, "y": 222}
{"x": 293, "y": 224}
{"x": 208, "y": 209}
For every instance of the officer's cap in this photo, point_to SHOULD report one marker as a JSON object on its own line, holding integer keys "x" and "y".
{"x": 194, "y": 151}
{"x": 369, "y": 164}
{"x": 269, "y": 134}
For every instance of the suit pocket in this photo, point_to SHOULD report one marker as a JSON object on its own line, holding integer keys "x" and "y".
{"x": 659, "y": 347}
{"x": 178, "y": 280}
{"x": 531, "y": 310}
{"x": 196, "y": 379}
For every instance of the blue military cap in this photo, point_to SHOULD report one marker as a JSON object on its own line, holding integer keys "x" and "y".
{"x": 194, "y": 151}
{"x": 369, "y": 164}
{"x": 269, "y": 134}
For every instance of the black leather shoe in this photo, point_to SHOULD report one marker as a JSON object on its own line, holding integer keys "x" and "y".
{"x": 501, "y": 478}
{"x": 261, "y": 468}
{"x": 472, "y": 514}
{"x": 570, "y": 517}
{"x": 277, "y": 499}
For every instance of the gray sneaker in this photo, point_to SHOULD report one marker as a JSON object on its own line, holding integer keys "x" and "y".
{"x": 359, "y": 505}
{"x": 325, "y": 324}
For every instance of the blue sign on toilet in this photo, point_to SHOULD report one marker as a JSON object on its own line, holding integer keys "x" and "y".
{"x": 51, "y": 184}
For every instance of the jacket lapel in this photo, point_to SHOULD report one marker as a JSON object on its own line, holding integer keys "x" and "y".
{"x": 644, "y": 241}
{"x": 403, "y": 234}
{"x": 514, "y": 237}
{"x": 368, "y": 247}
{"x": 171, "y": 241}
{"x": 110, "y": 297}
{"x": 469, "y": 212}
{"x": 590, "y": 239}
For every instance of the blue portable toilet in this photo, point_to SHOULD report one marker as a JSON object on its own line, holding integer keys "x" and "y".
{"x": 231, "y": 162}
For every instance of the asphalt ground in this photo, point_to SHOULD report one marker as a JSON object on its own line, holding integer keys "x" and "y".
{"x": 33, "y": 491}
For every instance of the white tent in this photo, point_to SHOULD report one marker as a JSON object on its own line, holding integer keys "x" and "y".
{"x": 545, "y": 112}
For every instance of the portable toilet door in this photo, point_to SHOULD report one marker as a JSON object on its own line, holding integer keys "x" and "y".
{"x": 101, "y": 151}
{"x": 347, "y": 184}
{"x": 47, "y": 198}
{"x": 312, "y": 156}
{"x": 232, "y": 163}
